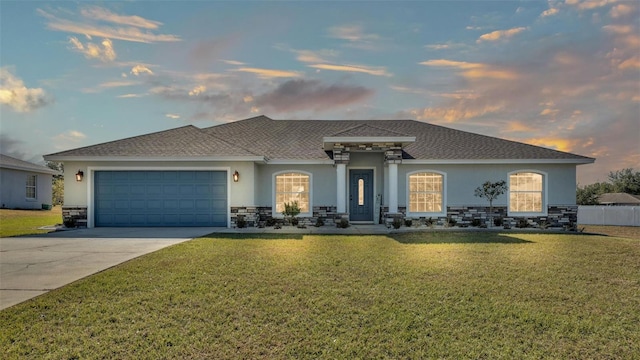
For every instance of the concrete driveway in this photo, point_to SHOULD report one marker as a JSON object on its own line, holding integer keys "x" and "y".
{"x": 31, "y": 266}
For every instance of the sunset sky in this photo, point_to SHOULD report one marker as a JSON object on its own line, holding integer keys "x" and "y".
{"x": 564, "y": 75}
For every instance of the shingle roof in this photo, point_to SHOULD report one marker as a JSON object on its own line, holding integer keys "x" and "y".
{"x": 303, "y": 140}
{"x": 186, "y": 141}
{"x": 619, "y": 198}
{"x": 9, "y": 162}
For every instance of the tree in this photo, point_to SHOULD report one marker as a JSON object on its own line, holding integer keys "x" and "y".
{"x": 490, "y": 191}
{"x": 57, "y": 183}
{"x": 589, "y": 194}
{"x": 625, "y": 181}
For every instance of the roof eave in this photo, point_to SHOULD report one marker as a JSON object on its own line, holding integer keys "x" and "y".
{"x": 498, "y": 161}
{"x": 24, "y": 168}
{"x": 55, "y": 157}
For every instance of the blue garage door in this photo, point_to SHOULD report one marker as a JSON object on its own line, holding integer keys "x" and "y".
{"x": 160, "y": 198}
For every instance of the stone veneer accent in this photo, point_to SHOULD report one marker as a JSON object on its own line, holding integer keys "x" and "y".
{"x": 78, "y": 213}
{"x": 257, "y": 216}
{"x": 557, "y": 216}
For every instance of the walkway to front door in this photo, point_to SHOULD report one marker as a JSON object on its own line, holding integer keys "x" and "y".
{"x": 361, "y": 195}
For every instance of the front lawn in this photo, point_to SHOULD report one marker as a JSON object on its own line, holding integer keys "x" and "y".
{"x": 27, "y": 222}
{"x": 416, "y": 295}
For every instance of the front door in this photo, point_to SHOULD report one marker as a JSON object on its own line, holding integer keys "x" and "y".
{"x": 361, "y": 195}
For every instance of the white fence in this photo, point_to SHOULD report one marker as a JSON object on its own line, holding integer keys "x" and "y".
{"x": 609, "y": 215}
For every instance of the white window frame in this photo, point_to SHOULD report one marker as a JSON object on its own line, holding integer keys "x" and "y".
{"x": 444, "y": 194}
{"x": 34, "y": 187}
{"x": 545, "y": 192}
{"x": 274, "y": 212}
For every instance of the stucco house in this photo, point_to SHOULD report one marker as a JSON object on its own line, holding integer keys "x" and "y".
{"x": 365, "y": 171}
{"x": 24, "y": 185}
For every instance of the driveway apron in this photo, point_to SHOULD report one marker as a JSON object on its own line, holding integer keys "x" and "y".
{"x": 31, "y": 266}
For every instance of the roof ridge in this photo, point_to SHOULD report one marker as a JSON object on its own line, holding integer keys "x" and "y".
{"x": 228, "y": 143}
{"x": 366, "y": 125}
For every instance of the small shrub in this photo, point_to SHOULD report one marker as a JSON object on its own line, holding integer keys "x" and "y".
{"x": 543, "y": 224}
{"x": 69, "y": 222}
{"x": 270, "y": 221}
{"x": 408, "y": 222}
{"x": 396, "y": 223}
{"x": 241, "y": 222}
{"x": 498, "y": 221}
{"x": 343, "y": 223}
{"x": 319, "y": 222}
{"x": 476, "y": 222}
{"x": 294, "y": 221}
{"x": 522, "y": 223}
{"x": 451, "y": 222}
{"x": 430, "y": 222}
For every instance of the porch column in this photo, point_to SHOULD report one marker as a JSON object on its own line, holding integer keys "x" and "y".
{"x": 341, "y": 188}
{"x": 393, "y": 188}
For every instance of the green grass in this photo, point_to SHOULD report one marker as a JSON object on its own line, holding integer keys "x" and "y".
{"x": 417, "y": 295}
{"x": 27, "y": 222}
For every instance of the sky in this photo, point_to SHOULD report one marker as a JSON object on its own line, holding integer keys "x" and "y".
{"x": 559, "y": 74}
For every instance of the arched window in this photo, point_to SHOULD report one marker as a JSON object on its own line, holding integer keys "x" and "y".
{"x": 292, "y": 186}
{"x": 426, "y": 192}
{"x": 526, "y": 192}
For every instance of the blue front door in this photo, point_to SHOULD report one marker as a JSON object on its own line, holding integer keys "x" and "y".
{"x": 361, "y": 195}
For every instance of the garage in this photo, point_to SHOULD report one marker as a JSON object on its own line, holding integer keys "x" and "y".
{"x": 160, "y": 198}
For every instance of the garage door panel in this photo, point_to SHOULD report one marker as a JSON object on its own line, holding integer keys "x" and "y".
{"x": 160, "y": 198}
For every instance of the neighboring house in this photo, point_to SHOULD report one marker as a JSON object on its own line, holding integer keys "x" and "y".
{"x": 365, "y": 171}
{"x": 24, "y": 185}
{"x": 619, "y": 199}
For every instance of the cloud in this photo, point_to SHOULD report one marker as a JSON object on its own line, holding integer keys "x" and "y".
{"x": 208, "y": 51}
{"x": 141, "y": 69}
{"x": 500, "y": 34}
{"x": 315, "y": 56}
{"x": 98, "y": 13}
{"x": 89, "y": 26}
{"x": 73, "y": 136}
{"x": 474, "y": 70}
{"x": 377, "y": 71}
{"x": 17, "y": 96}
{"x": 172, "y": 116}
{"x": 355, "y": 37}
{"x": 549, "y": 12}
{"x": 106, "y": 53}
{"x": 128, "y": 96}
{"x": 197, "y": 90}
{"x": 298, "y": 94}
{"x": 268, "y": 73}
{"x": 114, "y": 84}
{"x": 622, "y": 10}
{"x": 233, "y": 62}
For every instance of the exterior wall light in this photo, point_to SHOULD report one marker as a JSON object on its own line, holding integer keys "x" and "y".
{"x": 236, "y": 176}
{"x": 79, "y": 175}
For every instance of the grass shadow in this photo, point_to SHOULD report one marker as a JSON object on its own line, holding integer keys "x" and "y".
{"x": 449, "y": 237}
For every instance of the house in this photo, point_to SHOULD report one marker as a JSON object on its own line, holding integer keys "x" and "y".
{"x": 364, "y": 171}
{"x": 619, "y": 199}
{"x": 24, "y": 185}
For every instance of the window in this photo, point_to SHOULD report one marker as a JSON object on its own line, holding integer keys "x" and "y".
{"x": 426, "y": 192}
{"x": 525, "y": 192}
{"x": 32, "y": 181}
{"x": 290, "y": 187}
